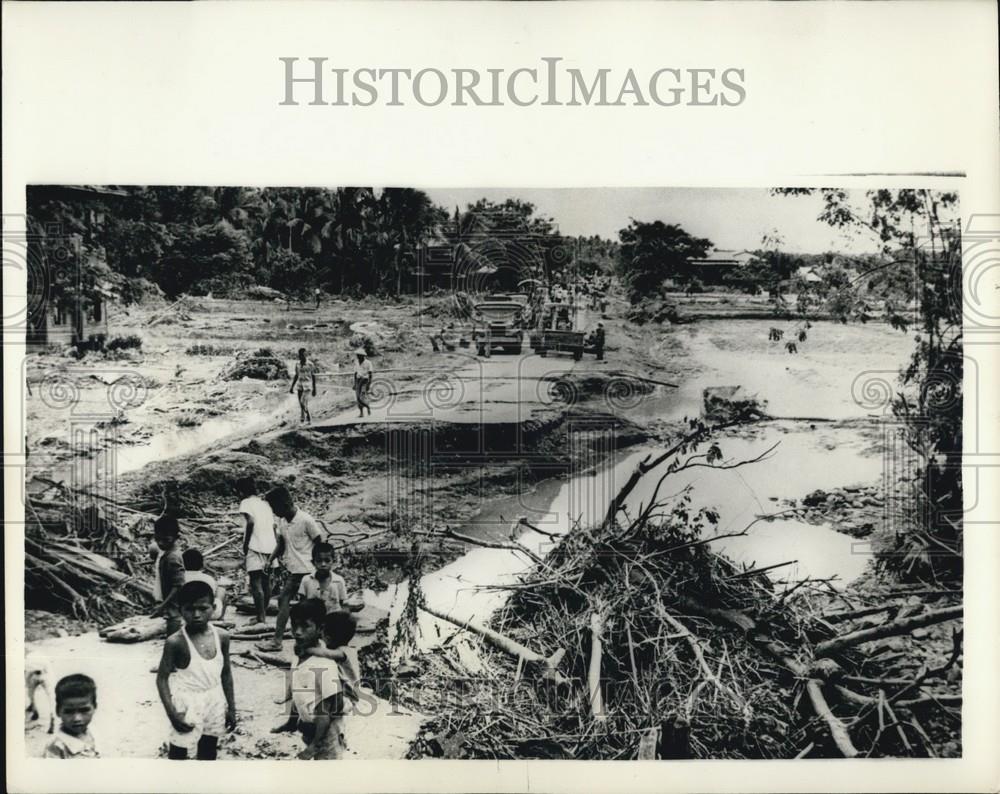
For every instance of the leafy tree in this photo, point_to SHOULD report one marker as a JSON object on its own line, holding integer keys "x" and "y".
{"x": 290, "y": 272}
{"x": 919, "y": 238}
{"x": 214, "y": 251}
{"x": 507, "y": 242}
{"x": 650, "y": 253}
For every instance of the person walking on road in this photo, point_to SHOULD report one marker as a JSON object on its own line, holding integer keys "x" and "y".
{"x": 363, "y": 374}
{"x": 304, "y": 369}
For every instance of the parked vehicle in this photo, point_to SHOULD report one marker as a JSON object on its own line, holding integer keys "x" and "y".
{"x": 558, "y": 332}
{"x": 498, "y": 323}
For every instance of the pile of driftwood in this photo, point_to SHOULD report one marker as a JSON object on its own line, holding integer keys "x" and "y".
{"x": 634, "y": 640}
{"x": 78, "y": 561}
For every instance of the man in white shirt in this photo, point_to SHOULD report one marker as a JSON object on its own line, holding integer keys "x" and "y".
{"x": 363, "y": 373}
{"x": 258, "y": 544}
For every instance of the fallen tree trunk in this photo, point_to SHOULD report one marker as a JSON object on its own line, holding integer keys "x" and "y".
{"x": 867, "y": 700}
{"x": 896, "y": 627}
{"x": 545, "y": 665}
{"x": 838, "y": 617}
{"x": 837, "y": 729}
{"x": 135, "y": 629}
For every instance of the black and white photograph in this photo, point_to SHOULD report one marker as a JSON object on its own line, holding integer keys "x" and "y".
{"x": 521, "y": 398}
{"x": 493, "y": 473}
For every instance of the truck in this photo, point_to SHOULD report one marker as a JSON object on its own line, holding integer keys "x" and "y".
{"x": 498, "y": 323}
{"x": 557, "y": 331}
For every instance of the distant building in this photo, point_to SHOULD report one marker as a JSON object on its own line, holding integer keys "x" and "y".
{"x": 808, "y": 275}
{"x": 715, "y": 265}
{"x": 63, "y": 309}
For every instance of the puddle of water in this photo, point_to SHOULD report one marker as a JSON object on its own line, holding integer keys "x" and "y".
{"x": 802, "y": 462}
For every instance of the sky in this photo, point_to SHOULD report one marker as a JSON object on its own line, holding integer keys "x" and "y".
{"x": 732, "y": 218}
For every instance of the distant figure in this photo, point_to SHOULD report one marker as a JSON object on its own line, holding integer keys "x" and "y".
{"x": 363, "y": 373}
{"x": 599, "y": 341}
{"x": 304, "y": 369}
{"x": 76, "y": 702}
{"x": 317, "y": 293}
{"x": 258, "y": 544}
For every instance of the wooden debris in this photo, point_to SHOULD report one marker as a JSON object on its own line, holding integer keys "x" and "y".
{"x": 594, "y": 671}
{"x": 545, "y": 666}
{"x": 838, "y": 731}
{"x": 894, "y": 628}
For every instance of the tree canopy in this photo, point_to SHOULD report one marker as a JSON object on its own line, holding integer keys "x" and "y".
{"x": 650, "y": 253}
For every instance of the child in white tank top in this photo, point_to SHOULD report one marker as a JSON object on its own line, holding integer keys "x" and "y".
{"x": 195, "y": 680}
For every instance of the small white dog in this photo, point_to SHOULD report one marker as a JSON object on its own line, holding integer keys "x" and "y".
{"x": 37, "y": 675}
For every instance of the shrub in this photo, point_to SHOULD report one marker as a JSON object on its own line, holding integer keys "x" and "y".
{"x": 260, "y": 365}
{"x": 209, "y": 350}
{"x": 130, "y": 342}
{"x": 364, "y": 341}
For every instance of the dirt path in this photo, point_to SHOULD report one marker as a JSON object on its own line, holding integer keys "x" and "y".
{"x": 130, "y": 722}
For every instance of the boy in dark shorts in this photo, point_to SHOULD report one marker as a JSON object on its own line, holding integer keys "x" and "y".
{"x": 297, "y": 533}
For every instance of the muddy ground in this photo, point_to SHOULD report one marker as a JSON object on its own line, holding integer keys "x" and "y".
{"x": 453, "y": 438}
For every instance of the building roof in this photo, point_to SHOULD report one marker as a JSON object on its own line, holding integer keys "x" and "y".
{"x": 808, "y": 275}
{"x": 723, "y": 257}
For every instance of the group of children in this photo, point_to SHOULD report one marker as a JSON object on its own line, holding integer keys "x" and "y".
{"x": 194, "y": 677}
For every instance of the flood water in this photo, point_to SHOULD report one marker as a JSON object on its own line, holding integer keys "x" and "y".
{"x": 804, "y": 460}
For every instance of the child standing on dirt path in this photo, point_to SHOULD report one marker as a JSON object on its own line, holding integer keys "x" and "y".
{"x": 304, "y": 369}
{"x": 258, "y": 544}
{"x": 297, "y": 534}
{"x": 195, "y": 680}
{"x": 315, "y": 688}
{"x": 169, "y": 572}
{"x": 76, "y": 702}
{"x": 339, "y": 629}
{"x": 324, "y": 584}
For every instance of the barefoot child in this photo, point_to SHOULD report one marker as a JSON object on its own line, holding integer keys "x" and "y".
{"x": 169, "y": 572}
{"x": 258, "y": 544}
{"x": 305, "y": 370}
{"x": 76, "y": 702}
{"x": 339, "y": 628}
{"x": 315, "y": 689}
{"x": 297, "y": 535}
{"x": 363, "y": 374}
{"x": 195, "y": 680}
